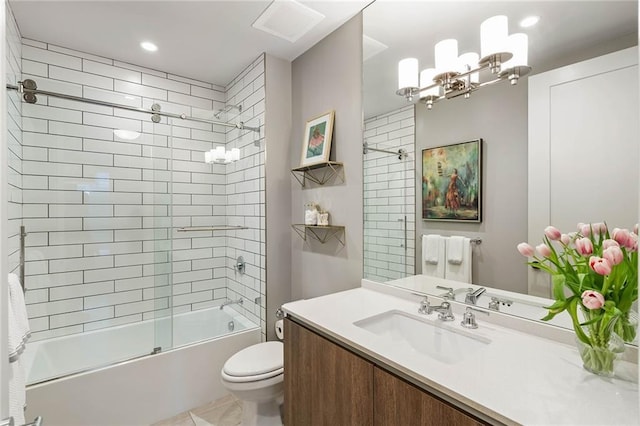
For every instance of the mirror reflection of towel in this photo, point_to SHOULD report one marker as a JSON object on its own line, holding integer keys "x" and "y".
{"x": 431, "y": 248}
{"x": 459, "y": 271}
{"x": 455, "y": 250}
{"x": 429, "y": 267}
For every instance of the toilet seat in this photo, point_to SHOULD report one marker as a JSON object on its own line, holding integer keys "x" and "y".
{"x": 257, "y": 362}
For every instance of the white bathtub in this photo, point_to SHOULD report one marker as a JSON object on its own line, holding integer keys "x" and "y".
{"x": 125, "y": 392}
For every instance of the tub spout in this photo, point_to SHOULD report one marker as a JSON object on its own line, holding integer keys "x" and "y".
{"x": 232, "y": 302}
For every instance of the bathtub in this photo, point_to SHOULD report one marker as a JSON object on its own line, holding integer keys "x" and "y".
{"x": 66, "y": 387}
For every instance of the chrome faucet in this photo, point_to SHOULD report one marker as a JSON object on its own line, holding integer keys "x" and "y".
{"x": 444, "y": 310}
{"x": 449, "y": 294}
{"x": 472, "y": 296}
{"x": 232, "y": 302}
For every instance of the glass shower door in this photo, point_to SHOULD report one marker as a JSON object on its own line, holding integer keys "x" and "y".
{"x": 389, "y": 203}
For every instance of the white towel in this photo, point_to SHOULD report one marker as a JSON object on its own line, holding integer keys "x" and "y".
{"x": 18, "y": 321}
{"x": 431, "y": 248}
{"x": 434, "y": 269}
{"x": 462, "y": 271}
{"x": 19, "y": 332}
{"x": 455, "y": 249}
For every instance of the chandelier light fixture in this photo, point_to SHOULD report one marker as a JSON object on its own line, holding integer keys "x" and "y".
{"x": 504, "y": 56}
{"x": 221, "y": 156}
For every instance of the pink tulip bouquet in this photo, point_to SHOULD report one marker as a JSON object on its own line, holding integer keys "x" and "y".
{"x": 595, "y": 271}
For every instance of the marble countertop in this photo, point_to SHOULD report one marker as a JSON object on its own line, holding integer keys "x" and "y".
{"x": 518, "y": 378}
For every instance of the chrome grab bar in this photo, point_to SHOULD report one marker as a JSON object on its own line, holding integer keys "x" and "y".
{"x": 10, "y": 422}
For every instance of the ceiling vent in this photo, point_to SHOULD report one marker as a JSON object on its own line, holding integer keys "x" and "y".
{"x": 371, "y": 47}
{"x": 287, "y": 19}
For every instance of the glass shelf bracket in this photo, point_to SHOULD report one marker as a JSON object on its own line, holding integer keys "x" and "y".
{"x": 320, "y": 233}
{"x": 319, "y": 173}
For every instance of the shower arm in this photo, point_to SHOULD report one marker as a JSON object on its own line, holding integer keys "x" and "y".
{"x": 29, "y": 89}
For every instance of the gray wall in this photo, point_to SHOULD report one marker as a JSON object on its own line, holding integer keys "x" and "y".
{"x": 278, "y": 186}
{"x": 498, "y": 115}
{"x": 329, "y": 76}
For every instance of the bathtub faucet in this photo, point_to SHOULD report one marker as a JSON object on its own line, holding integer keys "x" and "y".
{"x": 232, "y": 302}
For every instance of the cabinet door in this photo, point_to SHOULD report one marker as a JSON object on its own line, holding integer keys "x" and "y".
{"x": 324, "y": 383}
{"x": 397, "y": 402}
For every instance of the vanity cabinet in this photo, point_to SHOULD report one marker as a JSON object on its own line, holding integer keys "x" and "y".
{"x": 397, "y": 402}
{"x": 326, "y": 384}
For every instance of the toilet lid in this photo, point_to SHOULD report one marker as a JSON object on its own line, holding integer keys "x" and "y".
{"x": 255, "y": 360}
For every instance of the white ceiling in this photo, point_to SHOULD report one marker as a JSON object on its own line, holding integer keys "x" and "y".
{"x": 568, "y": 31}
{"x": 210, "y": 40}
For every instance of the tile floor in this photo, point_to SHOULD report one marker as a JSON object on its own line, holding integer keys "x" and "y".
{"x": 226, "y": 411}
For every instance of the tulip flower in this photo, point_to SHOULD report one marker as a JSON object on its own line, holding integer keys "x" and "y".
{"x": 599, "y": 228}
{"x": 613, "y": 254}
{"x": 526, "y": 249}
{"x": 599, "y": 265}
{"x": 565, "y": 239}
{"x": 632, "y": 242}
{"x": 585, "y": 229}
{"x": 609, "y": 243}
{"x": 552, "y": 233}
{"x": 543, "y": 250}
{"x": 592, "y": 299}
{"x": 584, "y": 246}
{"x": 620, "y": 235}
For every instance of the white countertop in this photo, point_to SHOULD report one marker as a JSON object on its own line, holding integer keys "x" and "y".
{"x": 518, "y": 378}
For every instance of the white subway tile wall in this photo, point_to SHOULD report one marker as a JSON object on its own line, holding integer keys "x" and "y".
{"x": 14, "y": 139}
{"x": 100, "y": 210}
{"x": 389, "y": 196}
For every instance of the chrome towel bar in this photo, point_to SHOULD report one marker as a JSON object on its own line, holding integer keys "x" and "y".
{"x": 211, "y": 228}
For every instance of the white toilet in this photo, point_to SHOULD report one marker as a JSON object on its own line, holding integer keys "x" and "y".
{"x": 255, "y": 376}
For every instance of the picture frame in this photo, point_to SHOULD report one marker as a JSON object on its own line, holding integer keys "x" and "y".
{"x": 452, "y": 182}
{"x": 316, "y": 146}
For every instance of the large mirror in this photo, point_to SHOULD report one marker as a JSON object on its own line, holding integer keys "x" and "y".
{"x": 397, "y": 132}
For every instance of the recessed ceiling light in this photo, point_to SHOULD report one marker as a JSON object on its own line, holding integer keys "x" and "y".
{"x": 529, "y": 21}
{"x": 147, "y": 45}
{"x": 127, "y": 135}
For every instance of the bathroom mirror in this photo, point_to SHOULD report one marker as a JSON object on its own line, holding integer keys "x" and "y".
{"x": 567, "y": 33}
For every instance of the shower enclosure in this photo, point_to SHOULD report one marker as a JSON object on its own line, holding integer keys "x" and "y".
{"x": 389, "y": 199}
{"x": 133, "y": 240}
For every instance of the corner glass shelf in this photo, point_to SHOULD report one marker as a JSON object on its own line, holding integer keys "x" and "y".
{"x": 319, "y": 232}
{"x": 319, "y": 173}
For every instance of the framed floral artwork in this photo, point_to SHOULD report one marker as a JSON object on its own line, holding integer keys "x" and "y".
{"x": 317, "y": 139}
{"x": 452, "y": 182}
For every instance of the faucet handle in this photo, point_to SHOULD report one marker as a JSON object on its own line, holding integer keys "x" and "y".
{"x": 449, "y": 294}
{"x": 447, "y": 315}
{"x": 469, "y": 319}
{"x": 424, "y": 306}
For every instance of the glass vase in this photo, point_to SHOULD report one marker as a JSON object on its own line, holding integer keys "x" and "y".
{"x": 601, "y": 360}
{"x": 627, "y": 326}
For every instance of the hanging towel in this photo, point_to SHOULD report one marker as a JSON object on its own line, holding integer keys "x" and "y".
{"x": 455, "y": 250}
{"x": 18, "y": 321}
{"x": 19, "y": 332}
{"x": 431, "y": 249}
{"x": 460, "y": 271}
{"x": 436, "y": 269}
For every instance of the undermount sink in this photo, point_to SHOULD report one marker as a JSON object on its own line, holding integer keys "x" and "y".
{"x": 428, "y": 337}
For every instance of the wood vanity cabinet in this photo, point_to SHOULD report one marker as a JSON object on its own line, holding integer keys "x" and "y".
{"x": 325, "y": 384}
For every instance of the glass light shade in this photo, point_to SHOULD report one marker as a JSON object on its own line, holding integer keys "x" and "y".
{"x": 493, "y": 35}
{"x": 426, "y": 79}
{"x": 470, "y": 60}
{"x": 235, "y": 154}
{"x": 227, "y": 157}
{"x": 518, "y": 44}
{"x": 408, "y": 73}
{"x": 446, "y": 52}
{"x": 219, "y": 153}
{"x": 208, "y": 156}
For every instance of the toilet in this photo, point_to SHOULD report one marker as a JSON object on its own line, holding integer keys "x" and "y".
{"x": 255, "y": 376}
